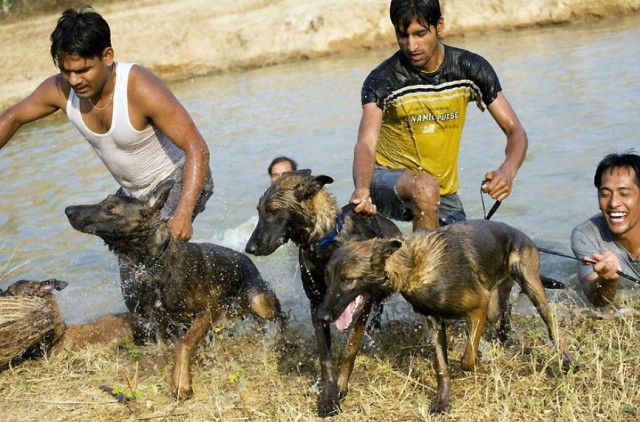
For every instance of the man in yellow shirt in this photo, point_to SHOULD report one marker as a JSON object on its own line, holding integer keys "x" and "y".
{"x": 414, "y": 107}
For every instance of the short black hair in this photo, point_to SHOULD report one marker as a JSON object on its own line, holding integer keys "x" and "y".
{"x": 402, "y": 12}
{"x": 629, "y": 160}
{"x": 282, "y": 159}
{"x": 82, "y": 32}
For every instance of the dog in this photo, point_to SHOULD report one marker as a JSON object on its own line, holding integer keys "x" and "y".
{"x": 297, "y": 207}
{"x": 172, "y": 284}
{"x": 449, "y": 272}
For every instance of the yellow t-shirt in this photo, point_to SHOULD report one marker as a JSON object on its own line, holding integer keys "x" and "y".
{"x": 424, "y": 113}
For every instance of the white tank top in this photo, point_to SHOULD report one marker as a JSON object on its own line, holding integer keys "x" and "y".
{"x": 138, "y": 160}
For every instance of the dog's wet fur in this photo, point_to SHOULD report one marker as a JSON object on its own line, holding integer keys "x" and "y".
{"x": 170, "y": 284}
{"x": 297, "y": 207}
{"x": 449, "y": 272}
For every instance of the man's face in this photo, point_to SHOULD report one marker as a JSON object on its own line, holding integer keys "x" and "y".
{"x": 619, "y": 200}
{"x": 86, "y": 76}
{"x": 420, "y": 45}
{"x": 278, "y": 169}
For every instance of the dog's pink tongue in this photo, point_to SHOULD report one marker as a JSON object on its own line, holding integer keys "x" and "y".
{"x": 346, "y": 318}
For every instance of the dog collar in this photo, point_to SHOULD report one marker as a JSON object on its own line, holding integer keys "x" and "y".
{"x": 331, "y": 237}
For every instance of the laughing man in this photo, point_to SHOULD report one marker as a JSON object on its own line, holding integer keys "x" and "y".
{"x": 611, "y": 238}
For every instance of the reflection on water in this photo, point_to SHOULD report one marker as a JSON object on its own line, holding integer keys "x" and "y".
{"x": 575, "y": 110}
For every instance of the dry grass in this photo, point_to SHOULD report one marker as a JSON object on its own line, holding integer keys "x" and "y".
{"x": 238, "y": 376}
{"x": 24, "y": 321}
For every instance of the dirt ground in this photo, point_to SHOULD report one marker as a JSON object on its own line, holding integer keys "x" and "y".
{"x": 187, "y": 38}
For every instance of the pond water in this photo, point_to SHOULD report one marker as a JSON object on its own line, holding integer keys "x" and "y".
{"x": 575, "y": 88}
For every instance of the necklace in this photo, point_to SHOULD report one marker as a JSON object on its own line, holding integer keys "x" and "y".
{"x": 105, "y": 106}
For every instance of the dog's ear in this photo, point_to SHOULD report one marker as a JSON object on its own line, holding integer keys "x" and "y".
{"x": 324, "y": 180}
{"x": 310, "y": 186}
{"x": 160, "y": 195}
{"x": 390, "y": 246}
{"x": 304, "y": 172}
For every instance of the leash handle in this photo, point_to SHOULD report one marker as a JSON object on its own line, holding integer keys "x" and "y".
{"x": 495, "y": 206}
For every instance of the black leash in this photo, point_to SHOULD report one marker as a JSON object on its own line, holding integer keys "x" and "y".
{"x": 495, "y": 206}
{"x": 587, "y": 262}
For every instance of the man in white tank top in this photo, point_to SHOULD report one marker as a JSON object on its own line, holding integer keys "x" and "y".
{"x": 131, "y": 119}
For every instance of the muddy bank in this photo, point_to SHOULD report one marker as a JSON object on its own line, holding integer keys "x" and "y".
{"x": 182, "y": 39}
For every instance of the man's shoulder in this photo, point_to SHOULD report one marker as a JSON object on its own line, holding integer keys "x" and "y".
{"x": 53, "y": 91}
{"x": 465, "y": 59}
{"x": 597, "y": 221}
{"x": 141, "y": 80}
{"x": 388, "y": 76}
{"x": 129, "y": 68}
{"x": 392, "y": 64}
{"x": 595, "y": 228}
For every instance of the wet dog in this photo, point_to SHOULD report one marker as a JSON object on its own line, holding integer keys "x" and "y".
{"x": 298, "y": 208}
{"x": 172, "y": 284}
{"x": 445, "y": 273}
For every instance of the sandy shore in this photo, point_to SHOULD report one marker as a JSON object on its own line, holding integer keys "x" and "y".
{"x": 186, "y": 38}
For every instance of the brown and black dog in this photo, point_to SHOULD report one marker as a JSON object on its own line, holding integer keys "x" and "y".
{"x": 298, "y": 208}
{"x": 172, "y": 284}
{"x": 448, "y": 272}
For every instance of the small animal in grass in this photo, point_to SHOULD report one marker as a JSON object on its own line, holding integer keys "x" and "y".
{"x": 449, "y": 272}
{"x": 31, "y": 288}
{"x": 42, "y": 289}
{"x": 172, "y": 284}
{"x": 297, "y": 207}
{"x": 105, "y": 330}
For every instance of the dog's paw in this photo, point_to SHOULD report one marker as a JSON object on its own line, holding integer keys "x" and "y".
{"x": 329, "y": 408}
{"x": 182, "y": 392}
{"x": 329, "y": 401}
{"x": 440, "y": 407}
{"x": 329, "y": 404}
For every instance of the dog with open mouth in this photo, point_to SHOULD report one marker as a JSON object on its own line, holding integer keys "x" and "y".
{"x": 449, "y": 272}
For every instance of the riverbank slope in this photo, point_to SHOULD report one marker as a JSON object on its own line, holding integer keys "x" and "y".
{"x": 188, "y": 38}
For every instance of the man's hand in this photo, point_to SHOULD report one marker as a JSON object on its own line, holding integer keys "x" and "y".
{"x": 497, "y": 184}
{"x": 606, "y": 265}
{"x": 363, "y": 202}
{"x": 180, "y": 228}
{"x": 600, "y": 287}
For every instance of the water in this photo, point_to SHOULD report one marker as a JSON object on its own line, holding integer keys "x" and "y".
{"x": 575, "y": 88}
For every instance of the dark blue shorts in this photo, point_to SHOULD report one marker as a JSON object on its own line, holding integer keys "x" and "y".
{"x": 384, "y": 195}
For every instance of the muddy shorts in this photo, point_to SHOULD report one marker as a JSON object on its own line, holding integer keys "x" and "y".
{"x": 384, "y": 195}
{"x": 171, "y": 204}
